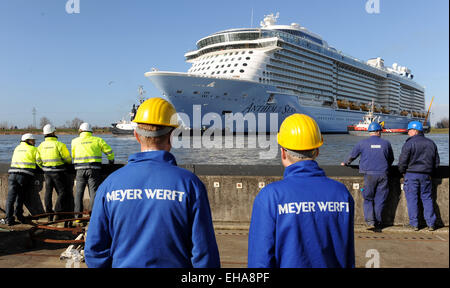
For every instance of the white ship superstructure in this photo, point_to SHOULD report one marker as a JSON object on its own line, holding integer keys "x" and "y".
{"x": 286, "y": 69}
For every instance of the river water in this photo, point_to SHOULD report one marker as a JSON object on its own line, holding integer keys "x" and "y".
{"x": 242, "y": 150}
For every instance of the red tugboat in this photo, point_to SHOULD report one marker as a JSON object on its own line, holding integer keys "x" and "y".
{"x": 360, "y": 129}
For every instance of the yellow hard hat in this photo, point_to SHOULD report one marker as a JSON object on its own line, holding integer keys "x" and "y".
{"x": 299, "y": 132}
{"x": 156, "y": 111}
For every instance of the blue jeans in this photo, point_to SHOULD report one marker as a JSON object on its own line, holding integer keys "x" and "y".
{"x": 18, "y": 185}
{"x": 416, "y": 185}
{"x": 375, "y": 193}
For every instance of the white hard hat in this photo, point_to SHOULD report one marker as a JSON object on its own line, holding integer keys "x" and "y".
{"x": 86, "y": 127}
{"x": 27, "y": 136}
{"x": 49, "y": 128}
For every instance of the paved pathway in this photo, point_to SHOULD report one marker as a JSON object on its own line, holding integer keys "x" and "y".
{"x": 394, "y": 247}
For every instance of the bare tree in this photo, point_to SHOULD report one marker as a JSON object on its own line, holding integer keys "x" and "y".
{"x": 44, "y": 121}
{"x": 443, "y": 123}
{"x": 3, "y": 125}
{"x": 74, "y": 124}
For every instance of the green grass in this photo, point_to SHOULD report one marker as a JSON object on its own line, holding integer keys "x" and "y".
{"x": 439, "y": 131}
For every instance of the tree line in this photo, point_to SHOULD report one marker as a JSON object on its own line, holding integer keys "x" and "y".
{"x": 443, "y": 123}
{"x": 69, "y": 124}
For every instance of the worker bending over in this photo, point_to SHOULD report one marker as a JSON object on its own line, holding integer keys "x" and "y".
{"x": 376, "y": 159}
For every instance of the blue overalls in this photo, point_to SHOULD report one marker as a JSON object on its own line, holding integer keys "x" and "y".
{"x": 304, "y": 220}
{"x": 418, "y": 160}
{"x": 376, "y": 158}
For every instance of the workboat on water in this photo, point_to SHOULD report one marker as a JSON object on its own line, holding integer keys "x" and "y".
{"x": 262, "y": 75}
{"x": 126, "y": 127}
{"x": 361, "y": 128}
{"x": 123, "y": 127}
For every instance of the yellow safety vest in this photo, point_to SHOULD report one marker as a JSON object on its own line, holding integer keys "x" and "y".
{"x": 88, "y": 149}
{"x": 24, "y": 159}
{"x": 54, "y": 154}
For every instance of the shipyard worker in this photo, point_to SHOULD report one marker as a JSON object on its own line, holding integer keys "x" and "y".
{"x": 21, "y": 178}
{"x": 87, "y": 157}
{"x": 55, "y": 156}
{"x": 306, "y": 219}
{"x": 376, "y": 159}
{"x": 418, "y": 160}
{"x": 151, "y": 213}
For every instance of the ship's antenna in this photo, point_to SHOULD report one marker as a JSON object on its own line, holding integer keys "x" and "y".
{"x": 251, "y": 20}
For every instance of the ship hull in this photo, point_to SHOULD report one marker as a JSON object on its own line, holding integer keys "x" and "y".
{"x": 117, "y": 131}
{"x": 207, "y": 101}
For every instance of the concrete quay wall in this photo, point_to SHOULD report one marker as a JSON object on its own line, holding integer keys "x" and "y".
{"x": 232, "y": 189}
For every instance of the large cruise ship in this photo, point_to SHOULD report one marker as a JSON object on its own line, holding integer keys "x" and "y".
{"x": 276, "y": 70}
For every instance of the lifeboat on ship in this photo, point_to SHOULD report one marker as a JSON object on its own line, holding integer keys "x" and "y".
{"x": 343, "y": 104}
{"x": 384, "y": 110}
{"x": 354, "y": 106}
